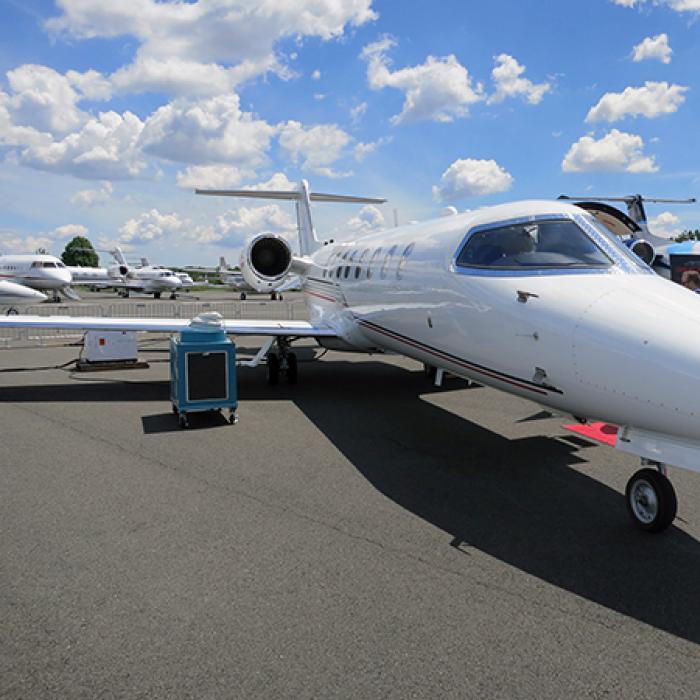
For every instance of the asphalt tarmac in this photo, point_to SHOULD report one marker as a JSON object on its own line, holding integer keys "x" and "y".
{"x": 362, "y": 534}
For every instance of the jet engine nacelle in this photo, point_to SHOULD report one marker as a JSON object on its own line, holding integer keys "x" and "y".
{"x": 118, "y": 271}
{"x": 266, "y": 261}
{"x": 642, "y": 249}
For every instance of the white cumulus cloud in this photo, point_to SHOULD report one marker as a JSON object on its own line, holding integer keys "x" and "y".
{"x": 89, "y": 198}
{"x": 617, "y": 151}
{"x": 149, "y": 226}
{"x": 206, "y": 132}
{"x": 653, "y": 47}
{"x": 470, "y": 177}
{"x": 106, "y": 147}
{"x": 509, "y": 81}
{"x": 677, "y": 5}
{"x": 213, "y": 177}
{"x": 440, "y": 89}
{"x": 320, "y": 146}
{"x": 42, "y": 99}
{"x": 237, "y": 35}
{"x": 69, "y": 231}
{"x": 666, "y": 225}
{"x": 652, "y": 100}
{"x": 234, "y": 227}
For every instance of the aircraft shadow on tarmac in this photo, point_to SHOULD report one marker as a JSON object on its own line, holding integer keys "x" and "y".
{"x": 516, "y": 500}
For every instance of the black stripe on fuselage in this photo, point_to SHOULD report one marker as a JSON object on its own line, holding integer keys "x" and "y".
{"x": 480, "y": 369}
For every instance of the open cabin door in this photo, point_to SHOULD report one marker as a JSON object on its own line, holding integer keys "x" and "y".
{"x": 613, "y": 219}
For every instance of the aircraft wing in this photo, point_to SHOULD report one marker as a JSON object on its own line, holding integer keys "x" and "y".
{"x": 167, "y": 325}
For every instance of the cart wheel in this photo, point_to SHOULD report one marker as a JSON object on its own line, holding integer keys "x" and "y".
{"x": 292, "y": 368}
{"x": 184, "y": 423}
{"x": 233, "y": 418}
{"x": 175, "y": 411}
{"x": 273, "y": 368}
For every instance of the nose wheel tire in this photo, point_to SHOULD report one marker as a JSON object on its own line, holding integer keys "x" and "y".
{"x": 651, "y": 500}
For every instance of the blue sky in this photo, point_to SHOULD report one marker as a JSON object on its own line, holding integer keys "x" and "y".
{"x": 110, "y": 113}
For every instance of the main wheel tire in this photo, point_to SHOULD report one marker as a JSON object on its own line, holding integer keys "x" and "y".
{"x": 292, "y": 368}
{"x": 651, "y": 500}
{"x": 273, "y": 368}
{"x": 244, "y": 296}
{"x": 156, "y": 295}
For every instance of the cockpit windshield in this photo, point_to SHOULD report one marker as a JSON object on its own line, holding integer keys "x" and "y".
{"x": 533, "y": 245}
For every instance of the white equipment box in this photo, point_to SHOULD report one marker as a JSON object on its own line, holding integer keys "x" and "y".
{"x": 110, "y": 346}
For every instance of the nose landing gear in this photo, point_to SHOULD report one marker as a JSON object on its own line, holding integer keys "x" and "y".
{"x": 282, "y": 362}
{"x": 650, "y": 498}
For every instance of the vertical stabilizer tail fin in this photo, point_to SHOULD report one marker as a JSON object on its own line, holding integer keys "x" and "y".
{"x": 308, "y": 241}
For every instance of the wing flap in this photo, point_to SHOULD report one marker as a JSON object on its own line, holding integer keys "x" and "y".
{"x": 166, "y": 325}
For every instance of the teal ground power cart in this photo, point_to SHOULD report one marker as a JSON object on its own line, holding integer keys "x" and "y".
{"x": 203, "y": 370}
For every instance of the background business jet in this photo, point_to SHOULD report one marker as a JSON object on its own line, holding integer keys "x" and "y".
{"x": 45, "y": 273}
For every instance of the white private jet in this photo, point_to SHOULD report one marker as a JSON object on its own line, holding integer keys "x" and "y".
{"x": 534, "y": 298}
{"x": 13, "y": 295}
{"x": 38, "y": 271}
{"x": 125, "y": 278}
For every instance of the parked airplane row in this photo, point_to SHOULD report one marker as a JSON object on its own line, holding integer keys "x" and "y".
{"x": 534, "y": 298}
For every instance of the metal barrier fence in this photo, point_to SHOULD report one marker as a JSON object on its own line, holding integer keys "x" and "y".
{"x": 31, "y": 337}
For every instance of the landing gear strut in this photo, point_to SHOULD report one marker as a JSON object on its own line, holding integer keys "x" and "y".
{"x": 650, "y": 498}
{"x": 284, "y": 361}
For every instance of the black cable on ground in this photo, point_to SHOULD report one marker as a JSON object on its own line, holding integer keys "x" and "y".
{"x": 38, "y": 369}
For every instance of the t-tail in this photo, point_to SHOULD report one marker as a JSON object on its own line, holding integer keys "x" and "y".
{"x": 308, "y": 240}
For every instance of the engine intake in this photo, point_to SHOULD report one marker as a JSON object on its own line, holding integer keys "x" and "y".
{"x": 643, "y": 250}
{"x": 269, "y": 256}
{"x": 118, "y": 271}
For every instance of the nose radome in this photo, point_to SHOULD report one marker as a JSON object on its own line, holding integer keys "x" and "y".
{"x": 638, "y": 351}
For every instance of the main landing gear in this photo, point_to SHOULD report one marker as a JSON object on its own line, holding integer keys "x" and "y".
{"x": 284, "y": 362}
{"x": 650, "y": 498}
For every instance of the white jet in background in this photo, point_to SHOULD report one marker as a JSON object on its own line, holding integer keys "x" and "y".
{"x": 126, "y": 278}
{"x": 44, "y": 273}
{"x": 534, "y": 298}
{"x": 13, "y": 295}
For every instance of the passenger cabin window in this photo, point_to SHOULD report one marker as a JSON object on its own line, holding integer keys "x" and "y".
{"x": 374, "y": 258}
{"x": 387, "y": 260}
{"x": 358, "y": 269}
{"x": 404, "y": 259}
{"x": 541, "y": 244}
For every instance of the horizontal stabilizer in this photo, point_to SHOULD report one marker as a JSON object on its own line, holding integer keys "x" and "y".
{"x": 292, "y": 195}
{"x": 630, "y": 198}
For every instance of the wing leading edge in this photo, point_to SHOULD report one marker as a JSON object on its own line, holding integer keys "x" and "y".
{"x": 167, "y": 325}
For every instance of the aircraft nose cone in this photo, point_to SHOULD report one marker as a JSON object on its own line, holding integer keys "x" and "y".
{"x": 638, "y": 350}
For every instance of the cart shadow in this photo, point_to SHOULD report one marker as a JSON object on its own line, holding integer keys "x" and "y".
{"x": 517, "y": 500}
{"x": 168, "y": 422}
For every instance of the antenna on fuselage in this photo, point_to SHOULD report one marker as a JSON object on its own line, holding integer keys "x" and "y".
{"x": 308, "y": 242}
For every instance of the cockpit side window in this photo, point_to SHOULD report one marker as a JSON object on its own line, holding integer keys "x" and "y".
{"x": 532, "y": 245}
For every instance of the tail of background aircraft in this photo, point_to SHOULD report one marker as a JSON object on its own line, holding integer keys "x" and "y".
{"x": 223, "y": 265}
{"x": 308, "y": 241}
